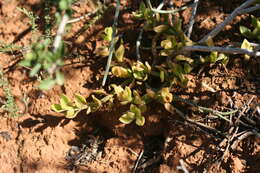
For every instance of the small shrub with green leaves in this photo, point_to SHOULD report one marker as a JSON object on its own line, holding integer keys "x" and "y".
{"x": 80, "y": 103}
{"x": 9, "y": 105}
{"x": 136, "y": 91}
{"x": 42, "y": 58}
{"x": 152, "y": 79}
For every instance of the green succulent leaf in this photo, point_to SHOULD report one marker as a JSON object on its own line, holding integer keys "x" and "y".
{"x": 120, "y": 72}
{"x": 187, "y": 68}
{"x": 166, "y": 44}
{"x": 117, "y": 89}
{"x": 137, "y": 98}
{"x": 80, "y": 101}
{"x": 246, "y": 31}
{"x": 255, "y": 22}
{"x": 177, "y": 69}
{"x": 71, "y": 114}
{"x": 119, "y": 54}
{"x": 161, "y": 28}
{"x": 141, "y": 71}
{"x": 148, "y": 67}
{"x": 97, "y": 104}
{"x": 223, "y": 58}
{"x": 26, "y": 63}
{"x": 126, "y": 96}
{"x": 65, "y": 103}
{"x": 213, "y": 57}
{"x": 140, "y": 121}
{"x": 167, "y": 97}
{"x": 162, "y": 75}
{"x": 47, "y": 84}
{"x": 108, "y": 33}
{"x": 63, "y": 4}
{"x": 246, "y": 45}
{"x": 56, "y": 108}
{"x": 135, "y": 110}
{"x": 127, "y": 118}
{"x": 184, "y": 58}
{"x": 35, "y": 69}
{"x": 123, "y": 95}
{"x": 88, "y": 110}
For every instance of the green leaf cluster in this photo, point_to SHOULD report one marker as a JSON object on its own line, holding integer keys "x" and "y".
{"x": 32, "y": 18}
{"x": 251, "y": 33}
{"x": 42, "y": 58}
{"x": 215, "y": 57}
{"x": 246, "y": 45}
{"x": 133, "y": 114}
{"x": 103, "y": 50}
{"x": 138, "y": 71}
{"x": 80, "y": 103}
{"x": 144, "y": 13}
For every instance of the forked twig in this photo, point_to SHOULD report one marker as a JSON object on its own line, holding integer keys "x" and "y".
{"x": 236, "y": 12}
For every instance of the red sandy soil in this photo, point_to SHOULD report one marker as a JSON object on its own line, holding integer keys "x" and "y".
{"x": 38, "y": 140}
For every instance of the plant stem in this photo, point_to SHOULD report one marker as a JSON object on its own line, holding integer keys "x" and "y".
{"x": 228, "y": 50}
{"x": 60, "y": 32}
{"x": 112, "y": 43}
{"x": 192, "y": 19}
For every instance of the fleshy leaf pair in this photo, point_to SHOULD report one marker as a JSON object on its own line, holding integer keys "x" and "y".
{"x": 140, "y": 71}
{"x": 123, "y": 95}
{"x": 133, "y": 114}
{"x": 79, "y": 104}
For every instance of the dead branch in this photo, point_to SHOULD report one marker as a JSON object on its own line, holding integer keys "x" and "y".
{"x": 228, "y": 50}
{"x": 192, "y": 18}
{"x": 138, "y": 160}
{"x": 82, "y": 17}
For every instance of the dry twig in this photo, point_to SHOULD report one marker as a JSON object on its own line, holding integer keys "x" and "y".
{"x": 192, "y": 18}
{"x": 228, "y": 50}
{"x": 236, "y": 12}
{"x": 82, "y": 17}
{"x": 112, "y": 43}
{"x": 138, "y": 160}
{"x": 182, "y": 166}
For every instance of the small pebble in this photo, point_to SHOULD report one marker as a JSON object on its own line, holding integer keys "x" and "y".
{"x": 6, "y": 135}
